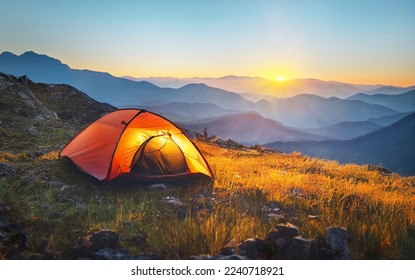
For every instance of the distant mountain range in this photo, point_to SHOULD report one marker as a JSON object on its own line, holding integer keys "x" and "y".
{"x": 250, "y": 128}
{"x": 190, "y": 112}
{"x": 312, "y": 111}
{"x": 392, "y": 147}
{"x": 304, "y": 111}
{"x": 403, "y": 102}
{"x": 389, "y": 90}
{"x": 262, "y": 86}
{"x": 107, "y": 88}
{"x": 346, "y": 130}
{"x": 388, "y": 120}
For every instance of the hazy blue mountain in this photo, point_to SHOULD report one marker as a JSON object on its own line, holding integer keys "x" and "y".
{"x": 346, "y": 130}
{"x": 404, "y": 102}
{"x": 201, "y": 93}
{"x": 389, "y": 90}
{"x": 311, "y": 111}
{"x": 255, "y": 85}
{"x": 107, "y": 88}
{"x": 388, "y": 120}
{"x": 304, "y": 111}
{"x": 250, "y": 128}
{"x": 392, "y": 147}
{"x": 183, "y": 111}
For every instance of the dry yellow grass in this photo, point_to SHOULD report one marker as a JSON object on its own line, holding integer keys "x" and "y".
{"x": 59, "y": 205}
{"x": 375, "y": 208}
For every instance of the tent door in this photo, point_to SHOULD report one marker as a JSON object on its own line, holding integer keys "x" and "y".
{"x": 160, "y": 155}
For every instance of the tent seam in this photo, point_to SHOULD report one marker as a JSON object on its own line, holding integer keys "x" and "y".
{"x": 106, "y": 179}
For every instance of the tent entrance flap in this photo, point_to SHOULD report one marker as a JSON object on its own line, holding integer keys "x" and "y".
{"x": 159, "y": 156}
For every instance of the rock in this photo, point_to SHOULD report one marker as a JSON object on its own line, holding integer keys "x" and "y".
{"x": 280, "y": 241}
{"x": 203, "y": 257}
{"x": 218, "y": 257}
{"x": 104, "y": 239}
{"x": 333, "y": 245}
{"x": 288, "y": 229}
{"x": 173, "y": 201}
{"x": 285, "y": 242}
{"x": 301, "y": 249}
{"x": 113, "y": 254}
{"x": 337, "y": 238}
{"x": 253, "y": 249}
{"x": 7, "y": 170}
{"x": 229, "y": 248}
{"x": 231, "y": 257}
{"x": 102, "y": 245}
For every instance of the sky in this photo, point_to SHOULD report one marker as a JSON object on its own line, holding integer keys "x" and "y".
{"x": 369, "y": 42}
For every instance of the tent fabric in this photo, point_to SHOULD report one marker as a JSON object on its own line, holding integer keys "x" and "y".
{"x": 132, "y": 141}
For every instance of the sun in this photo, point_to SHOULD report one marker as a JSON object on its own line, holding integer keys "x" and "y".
{"x": 280, "y": 79}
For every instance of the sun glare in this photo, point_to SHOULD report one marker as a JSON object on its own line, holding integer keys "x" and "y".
{"x": 280, "y": 79}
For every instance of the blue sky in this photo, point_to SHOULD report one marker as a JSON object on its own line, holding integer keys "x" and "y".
{"x": 350, "y": 41}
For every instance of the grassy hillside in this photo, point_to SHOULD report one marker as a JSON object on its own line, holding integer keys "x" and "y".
{"x": 252, "y": 192}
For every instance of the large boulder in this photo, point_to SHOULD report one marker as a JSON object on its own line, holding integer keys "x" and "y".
{"x": 334, "y": 244}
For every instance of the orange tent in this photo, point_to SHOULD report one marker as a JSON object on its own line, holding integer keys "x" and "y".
{"x": 135, "y": 142}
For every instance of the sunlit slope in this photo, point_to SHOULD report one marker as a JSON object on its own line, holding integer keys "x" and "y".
{"x": 374, "y": 206}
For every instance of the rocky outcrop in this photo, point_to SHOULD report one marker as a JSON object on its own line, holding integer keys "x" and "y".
{"x": 102, "y": 245}
{"x": 30, "y": 111}
{"x": 285, "y": 242}
{"x": 24, "y": 98}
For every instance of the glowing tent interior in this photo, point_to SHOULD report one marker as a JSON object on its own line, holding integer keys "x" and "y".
{"x": 137, "y": 143}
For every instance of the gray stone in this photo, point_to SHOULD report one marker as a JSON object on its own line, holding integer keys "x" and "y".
{"x": 337, "y": 240}
{"x": 7, "y": 170}
{"x": 300, "y": 249}
{"x": 202, "y": 257}
{"x": 281, "y": 243}
{"x": 288, "y": 230}
{"x": 229, "y": 248}
{"x": 231, "y": 257}
{"x": 104, "y": 239}
{"x": 114, "y": 254}
{"x": 253, "y": 249}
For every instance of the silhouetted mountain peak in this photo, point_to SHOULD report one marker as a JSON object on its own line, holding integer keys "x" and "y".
{"x": 32, "y": 57}
{"x": 8, "y": 54}
{"x": 194, "y": 85}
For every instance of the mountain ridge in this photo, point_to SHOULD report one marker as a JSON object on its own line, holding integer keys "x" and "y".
{"x": 292, "y": 112}
{"x": 250, "y": 128}
{"x": 393, "y": 147}
{"x": 403, "y": 102}
{"x": 103, "y": 86}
